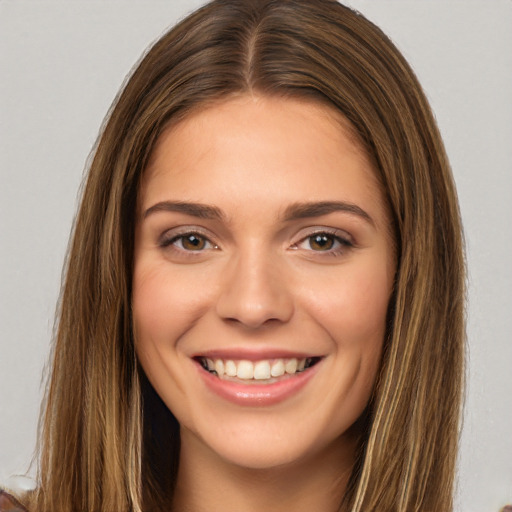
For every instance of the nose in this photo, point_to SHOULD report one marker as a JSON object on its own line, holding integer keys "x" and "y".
{"x": 255, "y": 293}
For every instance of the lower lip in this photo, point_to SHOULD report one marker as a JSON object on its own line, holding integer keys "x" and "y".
{"x": 258, "y": 394}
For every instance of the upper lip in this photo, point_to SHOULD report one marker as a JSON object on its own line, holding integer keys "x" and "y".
{"x": 253, "y": 354}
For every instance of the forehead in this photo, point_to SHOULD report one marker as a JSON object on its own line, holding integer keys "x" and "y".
{"x": 246, "y": 110}
{"x": 250, "y": 146}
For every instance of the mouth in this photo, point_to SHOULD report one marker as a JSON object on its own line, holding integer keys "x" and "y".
{"x": 264, "y": 371}
{"x": 247, "y": 379}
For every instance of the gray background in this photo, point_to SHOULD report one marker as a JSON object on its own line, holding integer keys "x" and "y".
{"x": 61, "y": 64}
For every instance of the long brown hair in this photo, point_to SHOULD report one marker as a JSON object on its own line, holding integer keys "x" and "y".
{"x": 107, "y": 441}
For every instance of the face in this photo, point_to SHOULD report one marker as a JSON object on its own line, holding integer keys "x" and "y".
{"x": 263, "y": 270}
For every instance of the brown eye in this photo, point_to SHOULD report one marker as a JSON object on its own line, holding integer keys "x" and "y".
{"x": 193, "y": 242}
{"x": 321, "y": 242}
{"x": 332, "y": 244}
{"x": 188, "y": 242}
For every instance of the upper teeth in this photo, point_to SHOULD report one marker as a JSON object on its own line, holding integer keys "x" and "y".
{"x": 258, "y": 370}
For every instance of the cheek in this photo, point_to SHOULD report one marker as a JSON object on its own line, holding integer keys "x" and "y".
{"x": 353, "y": 307}
{"x": 353, "y": 312}
{"x": 163, "y": 310}
{"x": 163, "y": 303}
{"x": 150, "y": 304}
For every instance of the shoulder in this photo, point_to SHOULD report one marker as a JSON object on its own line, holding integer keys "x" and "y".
{"x": 9, "y": 503}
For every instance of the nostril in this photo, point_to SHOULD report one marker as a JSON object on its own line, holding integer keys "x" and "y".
{"x": 254, "y": 292}
{"x": 253, "y": 323}
{"x": 253, "y": 310}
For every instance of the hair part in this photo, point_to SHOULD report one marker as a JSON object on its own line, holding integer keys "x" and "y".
{"x": 107, "y": 441}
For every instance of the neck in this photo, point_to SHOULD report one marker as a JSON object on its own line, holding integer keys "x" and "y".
{"x": 207, "y": 483}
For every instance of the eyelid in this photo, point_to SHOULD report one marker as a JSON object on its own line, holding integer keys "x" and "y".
{"x": 167, "y": 238}
{"x": 343, "y": 241}
{"x": 316, "y": 230}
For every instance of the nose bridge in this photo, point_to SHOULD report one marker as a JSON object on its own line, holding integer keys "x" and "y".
{"x": 255, "y": 290}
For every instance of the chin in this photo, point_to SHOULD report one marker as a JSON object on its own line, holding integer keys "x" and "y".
{"x": 266, "y": 444}
{"x": 262, "y": 454}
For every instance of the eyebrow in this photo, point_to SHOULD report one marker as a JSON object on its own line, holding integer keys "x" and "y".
{"x": 292, "y": 212}
{"x": 317, "y": 209}
{"x": 201, "y": 211}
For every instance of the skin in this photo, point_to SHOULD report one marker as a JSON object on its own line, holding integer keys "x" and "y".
{"x": 259, "y": 282}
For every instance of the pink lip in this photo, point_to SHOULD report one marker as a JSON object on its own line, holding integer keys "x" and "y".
{"x": 257, "y": 394}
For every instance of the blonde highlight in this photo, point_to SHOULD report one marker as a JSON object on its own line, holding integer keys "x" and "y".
{"x": 100, "y": 433}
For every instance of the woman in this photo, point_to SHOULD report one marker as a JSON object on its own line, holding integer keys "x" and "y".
{"x": 264, "y": 292}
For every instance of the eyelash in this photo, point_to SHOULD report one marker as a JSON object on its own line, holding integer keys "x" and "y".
{"x": 170, "y": 241}
{"x": 343, "y": 243}
{"x": 340, "y": 243}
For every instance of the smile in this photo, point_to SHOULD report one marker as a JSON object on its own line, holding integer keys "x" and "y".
{"x": 251, "y": 381}
{"x": 268, "y": 370}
